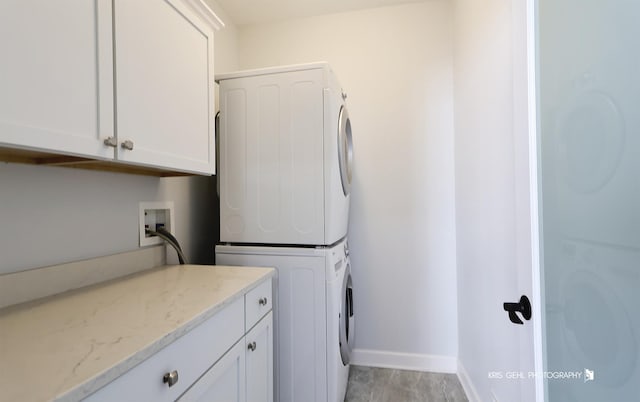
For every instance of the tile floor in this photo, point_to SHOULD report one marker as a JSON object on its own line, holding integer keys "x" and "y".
{"x": 371, "y": 384}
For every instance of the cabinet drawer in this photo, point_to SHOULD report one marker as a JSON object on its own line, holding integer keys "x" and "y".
{"x": 258, "y": 303}
{"x": 190, "y": 355}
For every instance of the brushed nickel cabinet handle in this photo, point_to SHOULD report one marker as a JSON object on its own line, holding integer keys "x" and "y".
{"x": 110, "y": 142}
{"x": 170, "y": 378}
{"x": 128, "y": 144}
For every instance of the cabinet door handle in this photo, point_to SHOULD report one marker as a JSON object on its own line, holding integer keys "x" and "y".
{"x": 263, "y": 301}
{"x": 111, "y": 142}
{"x": 128, "y": 144}
{"x": 252, "y": 346}
{"x": 170, "y": 378}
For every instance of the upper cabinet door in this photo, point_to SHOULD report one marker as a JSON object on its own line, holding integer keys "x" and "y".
{"x": 164, "y": 86}
{"x": 56, "y": 76}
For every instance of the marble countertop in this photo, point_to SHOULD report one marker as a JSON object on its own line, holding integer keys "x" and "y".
{"x": 67, "y": 346}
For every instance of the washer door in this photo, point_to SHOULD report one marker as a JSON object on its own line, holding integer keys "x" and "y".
{"x": 346, "y": 318}
{"x": 345, "y": 149}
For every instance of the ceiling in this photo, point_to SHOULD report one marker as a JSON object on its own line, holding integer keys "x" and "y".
{"x": 246, "y": 12}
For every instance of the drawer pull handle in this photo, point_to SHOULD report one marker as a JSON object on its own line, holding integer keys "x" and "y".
{"x": 252, "y": 346}
{"x": 170, "y": 378}
{"x": 128, "y": 144}
{"x": 262, "y": 301}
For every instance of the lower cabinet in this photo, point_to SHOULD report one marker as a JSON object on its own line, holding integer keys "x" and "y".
{"x": 244, "y": 373}
{"x": 225, "y": 381}
{"x": 228, "y": 358}
{"x": 259, "y": 361}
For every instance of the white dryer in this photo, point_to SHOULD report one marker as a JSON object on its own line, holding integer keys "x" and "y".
{"x": 285, "y": 156}
{"x": 313, "y": 317}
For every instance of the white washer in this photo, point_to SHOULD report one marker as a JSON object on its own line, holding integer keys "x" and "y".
{"x": 313, "y": 311}
{"x": 340, "y": 326}
{"x": 592, "y": 312}
{"x": 285, "y": 156}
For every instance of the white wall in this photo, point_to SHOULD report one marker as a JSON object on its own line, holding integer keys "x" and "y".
{"x": 492, "y": 184}
{"x": 53, "y": 215}
{"x": 395, "y": 63}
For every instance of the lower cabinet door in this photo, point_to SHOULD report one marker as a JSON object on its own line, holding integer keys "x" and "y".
{"x": 224, "y": 381}
{"x": 259, "y": 361}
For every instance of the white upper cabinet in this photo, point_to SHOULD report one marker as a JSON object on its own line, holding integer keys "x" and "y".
{"x": 164, "y": 85}
{"x": 116, "y": 80}
{"x": 56, "y": 76}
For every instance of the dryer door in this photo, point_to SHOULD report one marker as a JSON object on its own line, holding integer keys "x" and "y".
{"x": 346, "y": 318}
{"x": 345, "y": 149}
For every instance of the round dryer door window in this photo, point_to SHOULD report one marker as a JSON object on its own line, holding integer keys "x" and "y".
{"x": 345, "y": 149}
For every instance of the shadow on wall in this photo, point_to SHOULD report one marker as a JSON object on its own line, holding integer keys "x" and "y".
{"x": 204, "y": 213}
{"x": 196, "y": 214}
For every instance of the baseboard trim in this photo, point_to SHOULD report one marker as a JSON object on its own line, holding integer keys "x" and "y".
{"x": 404, "y": 361}
{"x": 467, "y": 385}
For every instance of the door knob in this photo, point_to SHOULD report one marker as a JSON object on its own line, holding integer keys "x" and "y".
{"x": 523, "y": 307}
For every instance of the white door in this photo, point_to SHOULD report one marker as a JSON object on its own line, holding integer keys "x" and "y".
{"x": 589, "y": 195}
{"x": 164, "y": 85}
{"x": 259, "y": 361}
{"x": 514, "y": 344}
{"x": 493, "y": 238}
{"x": 56, "y": 76}
{"x": 224, "y": 381}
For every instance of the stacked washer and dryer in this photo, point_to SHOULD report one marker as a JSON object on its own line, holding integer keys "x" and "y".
{"x": 285, "y": 168}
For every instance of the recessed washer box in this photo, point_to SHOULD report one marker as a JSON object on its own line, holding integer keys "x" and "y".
{"x": 153, "y": 215}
